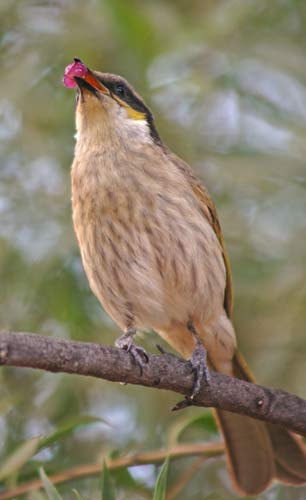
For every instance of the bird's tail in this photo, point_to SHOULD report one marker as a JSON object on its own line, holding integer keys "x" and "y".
{"x": 258, "y": 452}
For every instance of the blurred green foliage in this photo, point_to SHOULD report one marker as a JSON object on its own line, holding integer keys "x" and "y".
{"x": 161, "y": 482}
{"x": 226, "y": 80}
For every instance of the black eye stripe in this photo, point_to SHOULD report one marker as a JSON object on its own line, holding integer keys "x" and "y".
{"x": 120, "y": 88}
{"x": 124, "y": 93}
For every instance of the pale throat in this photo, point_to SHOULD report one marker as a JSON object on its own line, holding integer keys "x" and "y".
{"x": 134, "y": 131}
{"x": 116, "y": 132}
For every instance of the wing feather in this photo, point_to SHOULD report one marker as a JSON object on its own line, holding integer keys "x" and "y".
{"x": 209, "y": 211}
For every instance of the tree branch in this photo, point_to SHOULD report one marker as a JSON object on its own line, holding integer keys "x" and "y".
{"x": 161, "y": 372}
{"x": 204, "y": 451}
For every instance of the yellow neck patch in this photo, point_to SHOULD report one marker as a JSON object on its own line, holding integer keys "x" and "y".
{"x": 132, "y": 113}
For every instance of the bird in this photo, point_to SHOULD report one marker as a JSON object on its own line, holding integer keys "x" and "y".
{"x": 154, "y": 255}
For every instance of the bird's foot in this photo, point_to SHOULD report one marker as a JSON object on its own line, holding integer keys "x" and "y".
{"x": 198, "y": 362}
{"x": 138, "y": 354}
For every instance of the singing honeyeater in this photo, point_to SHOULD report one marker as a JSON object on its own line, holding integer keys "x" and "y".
{"x": 153, "y": 251}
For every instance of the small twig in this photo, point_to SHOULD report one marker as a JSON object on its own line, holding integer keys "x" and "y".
{"x": 162, "y": 372}
{"x": 149, "y": 457}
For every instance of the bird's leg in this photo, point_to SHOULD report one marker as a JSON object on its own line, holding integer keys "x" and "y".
{"x": 198, "y": 361}
{"x": 126, "y": 343}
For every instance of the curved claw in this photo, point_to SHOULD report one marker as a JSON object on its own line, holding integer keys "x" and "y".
{"x": 161, "y": 349}
{"x": 181, "y": 405}
{"x": 198, "y": 362}
{"x": 138, "y": 354}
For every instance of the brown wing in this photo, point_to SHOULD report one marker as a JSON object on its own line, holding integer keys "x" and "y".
{"x": 210, "y": 213}
{"x": 210, "y": 209}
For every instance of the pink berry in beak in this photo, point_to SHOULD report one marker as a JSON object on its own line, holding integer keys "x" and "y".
{"x": 77, "y": 68}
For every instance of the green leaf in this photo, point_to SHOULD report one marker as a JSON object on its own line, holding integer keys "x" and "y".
{"x": 19, "y": 457}
{"x": 68, "y": 426}
{"x": 161, "y": 482}
{"x": 49, "y": 487}
{"x": 204, "y": 421}
{"x": 77, "y": 495}
{"x": 123, "y": 478}
{"x": 107, "y": 492}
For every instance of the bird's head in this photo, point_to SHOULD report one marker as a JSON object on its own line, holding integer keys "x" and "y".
{"x": 108, "y": 107}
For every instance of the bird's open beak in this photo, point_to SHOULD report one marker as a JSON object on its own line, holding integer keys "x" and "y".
{"x": 90, "y": 82}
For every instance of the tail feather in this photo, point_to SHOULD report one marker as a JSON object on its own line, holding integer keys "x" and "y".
{"x": 289, "y": 453}
{"x": 249, "y": 452}
{"x": 258, "y": 452}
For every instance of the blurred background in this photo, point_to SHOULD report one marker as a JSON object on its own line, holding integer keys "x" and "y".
{"x": 226, "y": 80}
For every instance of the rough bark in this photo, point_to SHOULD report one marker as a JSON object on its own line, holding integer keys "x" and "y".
{"x": 163, "y": 371}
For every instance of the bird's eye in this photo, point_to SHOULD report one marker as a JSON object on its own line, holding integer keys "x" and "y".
{"x": 120, "y": 90}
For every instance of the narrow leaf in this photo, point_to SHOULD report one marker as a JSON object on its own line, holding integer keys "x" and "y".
{"x": 192, "y": 423}
{"x": 107, "y": 492}
{"x": 19, "y": 457}
{"x": 161, "y": 482}
{"x": 49, "y": 487}
{"x": 77, "y": 495}
{"x": 69, "y": 426}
